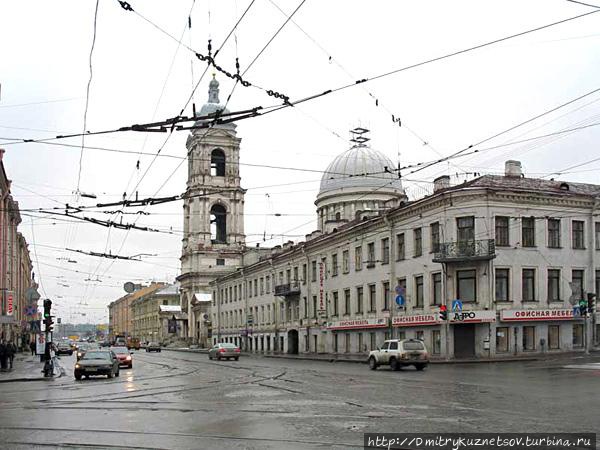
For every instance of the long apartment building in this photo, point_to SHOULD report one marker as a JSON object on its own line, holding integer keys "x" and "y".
{"x": 511, "y": 254}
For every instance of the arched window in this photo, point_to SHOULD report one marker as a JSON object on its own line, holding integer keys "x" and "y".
{"x": 217, "y": 163}
{"x": 338, "y": 216}
{"x": 218, "y": 224}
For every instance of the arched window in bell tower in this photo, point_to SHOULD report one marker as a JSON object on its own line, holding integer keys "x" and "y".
{"x": 218, "y": 224}
{"x": 217, "y": 163}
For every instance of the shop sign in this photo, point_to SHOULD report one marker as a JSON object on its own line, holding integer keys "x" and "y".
{"x": 530, "y": 315}
{"x": 321, "y": 295}
{"x": 415, "y": 320}
{"x": 357, "y": 324}
{"x": 472, "y": 317}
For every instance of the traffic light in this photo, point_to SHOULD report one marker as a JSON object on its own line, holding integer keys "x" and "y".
{"x": 583, "y": 307}
{"x": 591, "y": 302}
{"x": 443, "y": 312}
{"x": 47, "y": 308}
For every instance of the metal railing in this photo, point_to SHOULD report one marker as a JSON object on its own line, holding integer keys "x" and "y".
{"x": 471, "y": 250}
{"x": 287, "y": 289}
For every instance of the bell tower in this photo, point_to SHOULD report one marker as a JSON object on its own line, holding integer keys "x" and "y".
{"x": 213, "y": 208}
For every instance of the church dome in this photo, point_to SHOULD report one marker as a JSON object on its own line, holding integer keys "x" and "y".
{"x": 213, "y": 105}
{"x": 358, "y": 169}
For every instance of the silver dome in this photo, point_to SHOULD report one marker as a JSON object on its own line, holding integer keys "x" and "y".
{"x": 360, "y": 168}
{"x": 213, "y": 105}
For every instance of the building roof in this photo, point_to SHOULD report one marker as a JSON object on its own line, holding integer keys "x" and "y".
{"x": 171, "y": 289}
{"x": 351, "y": 170}
{"x": 530, "y": 185}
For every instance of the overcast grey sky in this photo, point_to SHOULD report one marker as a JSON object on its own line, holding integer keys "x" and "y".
{"x": 140, "y": 75}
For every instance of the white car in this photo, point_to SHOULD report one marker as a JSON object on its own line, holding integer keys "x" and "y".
{"x": 400, "y": 353}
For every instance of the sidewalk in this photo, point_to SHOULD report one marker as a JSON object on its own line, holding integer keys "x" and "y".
{"x": 28, "y": 368}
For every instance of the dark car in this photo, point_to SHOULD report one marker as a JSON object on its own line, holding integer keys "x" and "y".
{"x": 85, "y": 347}
{"x": 123, "y": 356}
{"x": 64, "y": 348}
{"x": 224, "y": 351}
{"x": 153, "y": 347}
{"x": 97, "y": 362}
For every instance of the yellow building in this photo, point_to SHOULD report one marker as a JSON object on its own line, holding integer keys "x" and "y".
{"x": 148, "y": 323}
{"x": 120, "y": 315}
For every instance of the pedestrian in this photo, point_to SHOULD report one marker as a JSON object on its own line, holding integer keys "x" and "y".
{"x": 32, "y": 347}
{"x": 3, "y": 356}
{"x": 11, "y": 349}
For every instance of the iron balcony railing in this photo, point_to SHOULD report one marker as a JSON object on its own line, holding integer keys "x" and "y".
{"x": 472, "y": 250}
{"x": 288, "y": 289}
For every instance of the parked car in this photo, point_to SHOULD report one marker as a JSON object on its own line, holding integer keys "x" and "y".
{"x": 133, "y": 344}
{"x": 97, "y": 362}
{"x": 400, "y": 353}
{"x": 64, "y": 348}
{"x": 224, "y": 351}
{"x": 123, "y": 355}
{"x": 153, "y": 347}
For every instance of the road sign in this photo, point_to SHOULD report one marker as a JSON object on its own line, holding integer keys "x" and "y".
{"x": 34, "y": 326}
{"x": 31, "y": 310}
{"x": 576, "y": 311}
{"x": 399, "y": 290}
{"x": 456, "y": 305}
{"x": 399, "y": 300}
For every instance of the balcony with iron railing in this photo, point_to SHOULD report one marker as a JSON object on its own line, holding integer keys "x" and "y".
{"x": 288, "y": 289}
{"x": 465, "y": 251}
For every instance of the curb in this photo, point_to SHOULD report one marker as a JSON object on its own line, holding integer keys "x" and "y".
{"x": 364, "y": 361}
{"x": 187, "y": 350}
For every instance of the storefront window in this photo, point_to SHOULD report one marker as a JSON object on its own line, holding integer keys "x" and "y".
{"x": 502, "y": 339}
{"x": 554, "y": 337}
{"x": 420, "y": 335}
{"x": 347, "y": 343}
{"x": 528, "y": 338}
{"x": 360, "y": 342}
{"x": 335, "y": 343}
{"x": 373, "y": 339}
{"x": 401, "y": 334}
{"x": 437, "y": 342}
{"x": 577, "y": 335}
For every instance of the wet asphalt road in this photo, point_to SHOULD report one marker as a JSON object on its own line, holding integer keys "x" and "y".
{"x": 174, "y": 400}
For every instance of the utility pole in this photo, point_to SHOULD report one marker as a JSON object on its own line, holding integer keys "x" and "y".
{"x": 48, "y": 367}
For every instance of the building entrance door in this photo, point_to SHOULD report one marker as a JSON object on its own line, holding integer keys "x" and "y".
{"x": 464, "y": 341}
{"x": 293, "y": 342}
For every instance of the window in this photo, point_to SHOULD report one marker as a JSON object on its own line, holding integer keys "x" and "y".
{"x": 528, "y": 232}
{"x": 218, "y": 224}
{"x": 401, "y": 334}
{"x": 220, "y": 262}
{"x": 370, "y": 254}
{"x": 437, "y": 342}
{"x": 419, "y": 292}
{"x": 255, "y": 287}
{"x": 360, "y": 342}
{"x": 372, "y": 298}
{"x": 359, "y": 300}
{"x": 502, "y": 339}
{"x": 393, "y": 346}
{"x": 386, "y": 295}
{"x": 528, "y": 338}
{"x": 400, "y": 250}
{"x": 419, "y": 335}
{"x": 217, "y": 163}
{"x": 597, "y": 233}
{"x": 313, "y": 271}
{"x": 418, "y": 238}
{"x": 335, "y": 303}
{"x": 502, "y": 231}
{"x": 304, "y": 273}
{"x": 502, "y": 285}
{"x": 373, "y": 341}
{"x": 577, "y": 284}
{"x": 347, "y": 302}
{"x": 554, "y": 233}
{"x": 578, "y": 234}
{"x": 466, "y": 285}
{"x": 335, "y": 342}
{"x": 262, "y": 286}
{"x": 314, "y": 307}
{"x": 250, "y": 288}
{"x": 528, "y": 285}
{"x": 435, "y": 237}
{"x": 436, "y": 281}
{"x": 385, "y": 251}
{"x": 268, "y": 283}
{"x": 577, "y": 335}
{"x": 347, "y": 342}
{"x": 296, "y": 277}
{"x": 334, "y": 265}
{"x": 553, "y": 285}
{"x": 345, "y": 261}
{"x": 598, "y": 282}
{"x": 465, "y": 227}
{"x": 358, "y": 258}
{"x": 306, "y": 312}
{"x": 554, "y": 337}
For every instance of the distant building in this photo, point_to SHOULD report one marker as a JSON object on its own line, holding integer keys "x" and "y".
{"x": 147, "y": 320}
{"x": 15, "y": 267}
{"x": 120, "y": 314}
